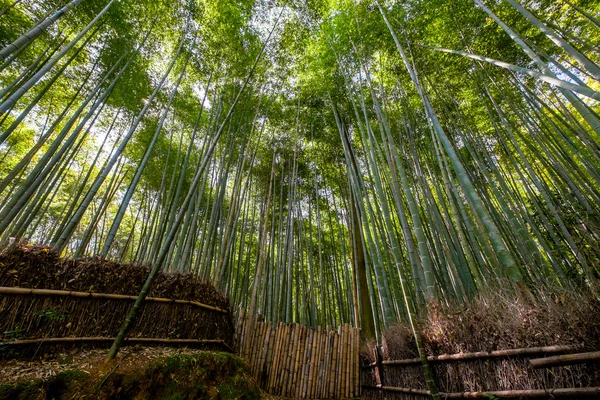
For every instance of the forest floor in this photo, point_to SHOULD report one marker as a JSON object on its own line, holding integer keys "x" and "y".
{"x": 91, "y": 362}
{"x": 86, "y": 374}
{"x": 136, "y": 373}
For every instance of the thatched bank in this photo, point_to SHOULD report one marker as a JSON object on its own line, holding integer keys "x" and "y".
{"x": 493, "y": 322}
{"x": 35, "y": 316}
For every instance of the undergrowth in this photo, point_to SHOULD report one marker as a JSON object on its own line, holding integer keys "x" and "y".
{"x": 205, "y": 375}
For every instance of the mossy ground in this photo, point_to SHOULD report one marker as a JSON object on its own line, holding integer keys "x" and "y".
{"x": 202, "y": 375}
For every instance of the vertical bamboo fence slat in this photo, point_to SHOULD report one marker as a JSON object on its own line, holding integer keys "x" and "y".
{"x": 294, "y": 360}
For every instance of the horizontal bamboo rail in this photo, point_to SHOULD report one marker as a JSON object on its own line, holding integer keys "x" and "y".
{"x": 65, "y": 293}
{"x": 529, "y": 351}
{"x": 111, "y": 339}
{"x": 293, "y": 360}
{"x": 592, "y": 392}
{"x": 568, "y": 359}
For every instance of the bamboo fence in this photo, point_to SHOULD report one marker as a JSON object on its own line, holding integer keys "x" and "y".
{"x": 397, "y": 378}
{"x": 293, "y": 360}
{"x": 57, "y": 318}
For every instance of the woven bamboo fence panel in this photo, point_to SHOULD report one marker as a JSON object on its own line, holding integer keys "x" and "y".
{"x": 63, "y": 318}
{"x": 293, "y": 360}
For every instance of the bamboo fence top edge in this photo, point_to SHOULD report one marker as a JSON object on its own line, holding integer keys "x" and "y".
{"x": 66, "y": 293}
{"x": 110, "y": 339}
{"x": 528, "y": 351}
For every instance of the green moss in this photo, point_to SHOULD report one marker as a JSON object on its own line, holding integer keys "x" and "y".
{"x": 51, "y": 388}
{"x": 237, "y": 387}
{"x": 204, "y": 375}
{"x": 20, "y": 391}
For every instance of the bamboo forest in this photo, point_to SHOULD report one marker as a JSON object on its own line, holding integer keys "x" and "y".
{"x": 326, "y": 189}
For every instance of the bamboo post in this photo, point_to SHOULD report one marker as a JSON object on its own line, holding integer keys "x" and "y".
{"x": 302, "y": 373}
{"x": 379, "y": 376}
{"x": 312, "y": 363}
{"x": 289, "y": 355}
{"x": 252, "y": 339}
{"x": 264, "y": 350}
{"x": 338, "y": 381}
{"x": 269, "y": 355}
{"x": 260, "y": 348}
{"x": 309, "y": 341}
{"x": 274, "y": 366}
{"x": 270, "y": 372}
{"x": 344, "y": 361}
{"x": 319, "y": 377}
{"x": 239, "y": 331}
{"x": 256, "y": 337}
{"x": 313, "y": 358}
{"x": 247, "y": 337}
{"x": 290, "y": 350}
{"x": 318, "y": 363}
{"x": 357, "y": 367}
{"x": 348, "y": 358}
{"x": 325, "y": 365}
{"x": 292, "y": 359}
{"x": 283, "y": 354}
{"x": 299, "y": 362}
{"x": 351, "y": 364}
{"x": 332, "y": 370}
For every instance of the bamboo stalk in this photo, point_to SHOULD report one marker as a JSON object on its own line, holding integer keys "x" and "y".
{"x": 503, "y": 394}
{"x": 485, "y": 354}
{"x": 65, "y": 293}
{"x": 567, "y": 359}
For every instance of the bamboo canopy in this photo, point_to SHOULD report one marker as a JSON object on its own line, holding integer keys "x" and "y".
{"x": 348, "y": 164}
